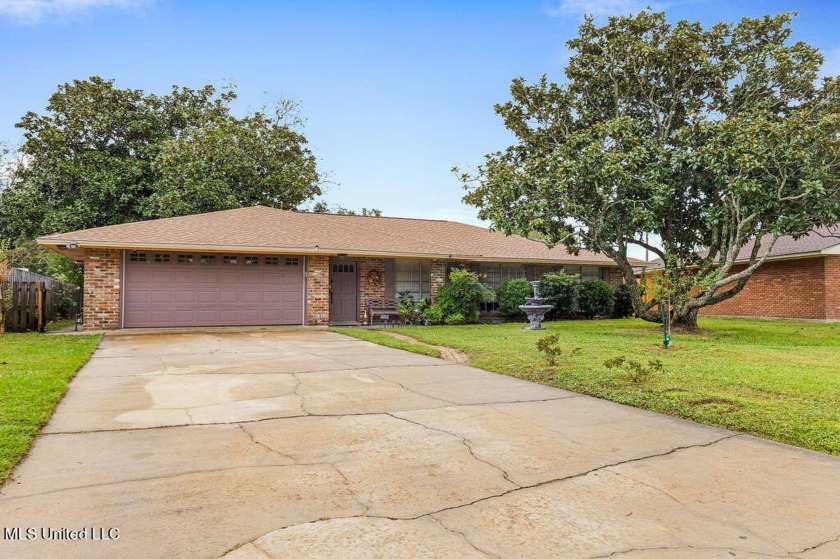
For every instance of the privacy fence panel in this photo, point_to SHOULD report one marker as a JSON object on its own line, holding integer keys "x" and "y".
{"x": 37, "y": 300}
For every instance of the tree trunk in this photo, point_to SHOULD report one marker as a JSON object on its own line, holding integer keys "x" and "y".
{"x": 685, "y": 318}
{"x": 629, "y": 275}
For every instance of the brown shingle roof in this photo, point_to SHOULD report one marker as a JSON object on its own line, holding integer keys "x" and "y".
{"x": 815, "y": 242}
{"x": 260, "y": 228}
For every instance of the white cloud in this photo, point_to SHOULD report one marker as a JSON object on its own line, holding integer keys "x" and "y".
{"x": 34, "y": 11}
{"x": 577, "y": 8}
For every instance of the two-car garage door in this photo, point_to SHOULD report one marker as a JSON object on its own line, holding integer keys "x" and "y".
{"x": 181, "y": 289}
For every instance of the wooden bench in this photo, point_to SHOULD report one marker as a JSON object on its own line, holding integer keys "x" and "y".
{"x": 386, "y": 309}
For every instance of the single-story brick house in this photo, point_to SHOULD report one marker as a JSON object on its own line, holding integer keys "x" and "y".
{"x": 799, "y": 279}
{"x": 264, "y": 266}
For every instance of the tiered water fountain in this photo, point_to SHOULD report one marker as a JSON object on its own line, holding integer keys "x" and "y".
{"x": 535, "y": 308}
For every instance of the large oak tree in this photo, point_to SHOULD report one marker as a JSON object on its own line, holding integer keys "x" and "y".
{"x": 706, "y": 137}
{"x": 102, "y": 155}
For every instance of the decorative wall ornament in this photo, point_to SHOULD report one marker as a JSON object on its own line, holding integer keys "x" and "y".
{"x": 374, "y": 278}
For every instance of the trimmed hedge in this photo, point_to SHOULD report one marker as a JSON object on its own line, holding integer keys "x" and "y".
{"x": 561, "y": 290}
{"x": 511, "y": 294}
{"x": 623, "y": 304}
{"x": 458, "y": 300}
{"x": 595, "y": 298}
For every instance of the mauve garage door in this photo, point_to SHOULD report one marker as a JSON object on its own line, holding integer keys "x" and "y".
{"x": 179, "y": 289}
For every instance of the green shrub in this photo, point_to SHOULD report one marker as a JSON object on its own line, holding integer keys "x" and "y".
{"x": 423, "y": 305}
{"x": 434, "y": 314}
{"x": 623, "y": 304}
{"x": 561, "y": 290}
{"x": 552, "y": 351}
{"x": 595, "y": 298}
{"x": 66, "y": 307}
{"x": 455, "y": 318}
{"x": 411, "y": 312}
{"x": 511, "y": 294}
{"x": 461, "y": 296}
{"x": 445, "y": 301}
{"x": 635, "y": 370}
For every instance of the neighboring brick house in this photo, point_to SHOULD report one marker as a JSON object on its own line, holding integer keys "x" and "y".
{"x": 799, "y": 279}
{"x": 264, "y": 266}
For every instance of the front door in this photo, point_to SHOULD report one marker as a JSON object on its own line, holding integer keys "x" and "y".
{"x": 344, "y": 291}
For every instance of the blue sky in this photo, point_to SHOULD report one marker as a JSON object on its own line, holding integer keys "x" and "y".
{"x": 395, "y": 93}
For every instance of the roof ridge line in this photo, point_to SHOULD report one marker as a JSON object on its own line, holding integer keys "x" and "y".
{"x": 375, "y": 216}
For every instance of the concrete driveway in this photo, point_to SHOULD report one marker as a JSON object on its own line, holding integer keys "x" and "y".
{"x": 303, "y": 443}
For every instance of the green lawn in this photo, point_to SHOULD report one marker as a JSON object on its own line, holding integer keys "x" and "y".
{"x": 57, "y": 325}
{"x": 775, "y": 379}
{"x": 34, "y": 372}
{"x": 386, "y": 340}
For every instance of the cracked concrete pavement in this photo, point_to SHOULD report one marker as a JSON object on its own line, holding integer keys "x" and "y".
{"x": 269, "y": 443}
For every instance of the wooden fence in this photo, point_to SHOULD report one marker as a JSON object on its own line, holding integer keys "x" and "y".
{"x": 37, "y": 300}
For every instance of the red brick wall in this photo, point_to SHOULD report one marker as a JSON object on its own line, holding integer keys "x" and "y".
{"x": 438, "y": 276}
{"x": 784, "y": 288}
{"x": 366, "y": 290}
{"x": 102, "y": 270}
{"x": 317, "y": 290}
{"x": 613, "y": 276}
{"x": 832, "y": 287}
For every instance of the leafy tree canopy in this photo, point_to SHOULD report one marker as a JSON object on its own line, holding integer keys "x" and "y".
{"x": 230, "y": 163}
{"x": 707, "y": 137}
{"x": 27, "y": 254}
{"x": 322, "y": 207}
{"x": 101, "y": 155}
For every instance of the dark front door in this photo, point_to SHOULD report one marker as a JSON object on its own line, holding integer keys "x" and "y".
{"x": 344, "y": 291}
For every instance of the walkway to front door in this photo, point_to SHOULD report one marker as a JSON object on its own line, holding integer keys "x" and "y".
{"x": 344, "y": 281}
